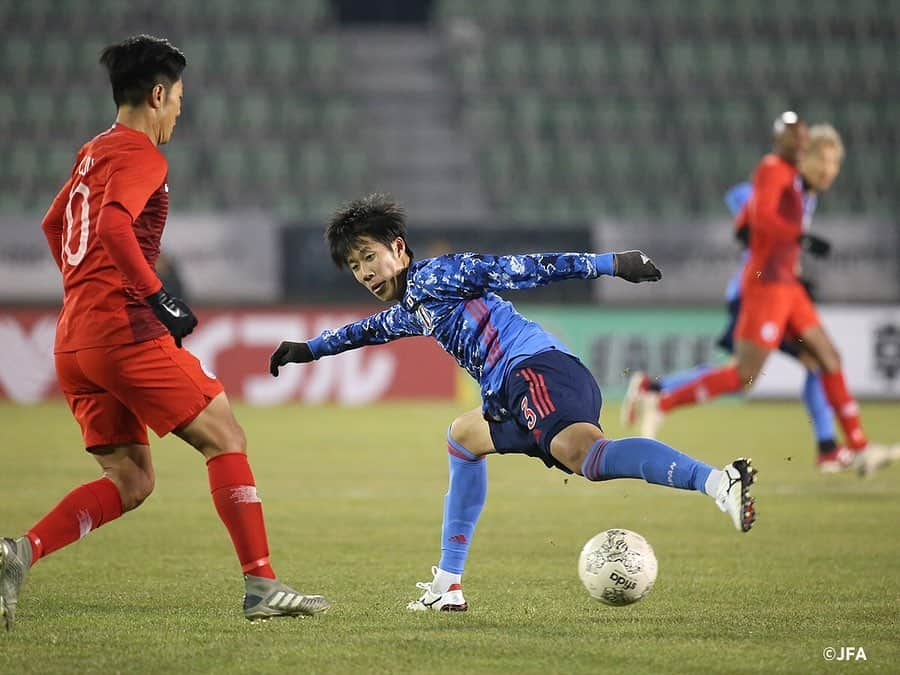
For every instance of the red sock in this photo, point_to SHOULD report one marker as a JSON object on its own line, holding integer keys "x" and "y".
{"x": 234, "y": 494}
{"x": 84, "y": 509}
{"x": 845, "y": 408}
{"x": 717, "y": 381}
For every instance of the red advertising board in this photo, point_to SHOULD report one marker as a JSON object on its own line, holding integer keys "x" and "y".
{"x": 235, "y": 346}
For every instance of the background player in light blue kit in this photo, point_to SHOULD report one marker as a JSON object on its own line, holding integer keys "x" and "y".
{"x": 538, "y": 398}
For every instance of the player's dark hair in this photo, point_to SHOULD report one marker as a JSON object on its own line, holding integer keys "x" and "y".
{"x": 376, "y": 216}
{"x": 139, "y": 63}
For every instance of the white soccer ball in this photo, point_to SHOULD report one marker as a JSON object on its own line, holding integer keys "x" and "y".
{"x": 617, "y": 567}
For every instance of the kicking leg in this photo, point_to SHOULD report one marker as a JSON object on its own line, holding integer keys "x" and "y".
{"x": 582, "y": 448}
{"x": 468, "y": 443}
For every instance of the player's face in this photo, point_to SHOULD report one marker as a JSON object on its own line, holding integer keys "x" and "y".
{"x": 821, "y": 167}
{"x": 380, "y": 268}
{"x": 169, "y": 111}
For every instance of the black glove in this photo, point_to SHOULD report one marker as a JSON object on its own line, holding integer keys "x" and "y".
{"x": 635, "y": 266}
{"x": 289, "y": 352}
{"x": 174, "y": 313}
{"x": 742, "y": 234}
{"x": 817, "y": 246}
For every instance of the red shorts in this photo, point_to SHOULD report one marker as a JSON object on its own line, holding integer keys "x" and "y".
{"x": 768, "y": 311}
{"x": 116, "y": 392}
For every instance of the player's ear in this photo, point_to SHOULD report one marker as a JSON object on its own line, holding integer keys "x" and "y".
{"x": 399, "y": 246}
{"x": 157, "y": 95}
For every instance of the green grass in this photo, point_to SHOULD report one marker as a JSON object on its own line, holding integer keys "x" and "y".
{"x": 354, "y": 498}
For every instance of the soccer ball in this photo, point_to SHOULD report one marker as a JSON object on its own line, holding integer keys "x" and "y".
{"x": 617, "y": 567}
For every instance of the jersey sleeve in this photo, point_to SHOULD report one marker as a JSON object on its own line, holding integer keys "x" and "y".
{"x": 54, "y": 222}
{"x": 116, "y": 231}
{"x": 391, "y": 324}
{"x": 134, "y": 175}
{"x": 770, "y": 186}
{"x": 470, "y": 273}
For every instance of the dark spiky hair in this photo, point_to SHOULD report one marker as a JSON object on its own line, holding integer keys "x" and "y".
{"x": 376, "y": 216}
{"x": 139, "y": 63}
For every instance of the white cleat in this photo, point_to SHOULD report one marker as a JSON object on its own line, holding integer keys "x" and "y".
{"x": 733, "y": 493}
{"x": 638, "y": 383}
{"x": 872, "y": 458}
{"x": 650, "y": 417}
{"x": 451, "y": 600}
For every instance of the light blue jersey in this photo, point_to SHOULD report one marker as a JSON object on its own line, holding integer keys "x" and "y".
{"x": 452, "y": 299}
{"x": 735, "y": 199}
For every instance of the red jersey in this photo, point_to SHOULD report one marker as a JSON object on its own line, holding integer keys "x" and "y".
{"x": 775, "y": 216}
{"x": 123, "y": 171}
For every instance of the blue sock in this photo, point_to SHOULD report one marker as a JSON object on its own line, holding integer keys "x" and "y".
{"x": 645, "y": 458}
{"x": 462, "y": 505}
{"x": 818, "y": 408}
{"x": 675, "y": 380}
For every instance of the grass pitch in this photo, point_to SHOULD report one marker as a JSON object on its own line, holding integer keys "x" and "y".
{"x": 353, "y": 499}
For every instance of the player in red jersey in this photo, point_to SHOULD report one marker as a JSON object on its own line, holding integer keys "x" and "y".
{"x": 774, "y": 302}
{"x": 118, "y": 342}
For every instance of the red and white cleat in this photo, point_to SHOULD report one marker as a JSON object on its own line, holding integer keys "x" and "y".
{"x": 837, "y": 460}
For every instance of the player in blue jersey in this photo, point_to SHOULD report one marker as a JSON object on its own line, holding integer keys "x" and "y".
{"x": 817, "y": 178}
{"x": 538, "y": 398}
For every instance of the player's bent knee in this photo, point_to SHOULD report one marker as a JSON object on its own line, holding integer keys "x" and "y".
{"x": 134, "y": 488}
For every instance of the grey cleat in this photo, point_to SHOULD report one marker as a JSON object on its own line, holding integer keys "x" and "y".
{"x": 15, "y": 561}
{"x": 269, "y": 598}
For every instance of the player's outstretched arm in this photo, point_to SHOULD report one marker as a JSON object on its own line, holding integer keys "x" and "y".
{"x": 391, "y": 324}
{"x": 475, "y": 273}
{"x": 635, "y": 266}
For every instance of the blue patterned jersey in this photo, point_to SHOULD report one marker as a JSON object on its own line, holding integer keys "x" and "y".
{"x": 735, "y": 199}
{"x": 452, "y": 299}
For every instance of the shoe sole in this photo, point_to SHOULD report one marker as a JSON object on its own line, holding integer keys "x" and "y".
{"x": 748, "y": 474}
{"x": 268, "y": 617}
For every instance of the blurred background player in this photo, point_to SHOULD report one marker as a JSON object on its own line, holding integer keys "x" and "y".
{"x": 538, "y": 398}
{"x": 774, "y": 302}
{"x": 118, "y": 341}
{"x": 818, "y": 174}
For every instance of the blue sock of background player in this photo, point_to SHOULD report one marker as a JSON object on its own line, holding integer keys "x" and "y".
{"x": 820, "y": 413}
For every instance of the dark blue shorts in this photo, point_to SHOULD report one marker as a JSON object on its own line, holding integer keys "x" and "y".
{"x": 545, "y": 393}
{"x": 726, "y": 340}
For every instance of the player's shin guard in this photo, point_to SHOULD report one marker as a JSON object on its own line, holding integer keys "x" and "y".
{"x": 710, "y": 384}
{"x": 234, "y": 494}
{"x": 463, "y": 503}
{"x": 820, "y": 413}
{"x": 84, "y": 509}
{"x": 645, "y": 458}
{"x": 846, "y": 409}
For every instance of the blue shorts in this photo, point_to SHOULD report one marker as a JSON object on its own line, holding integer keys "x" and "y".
{"x": 545, "y": 393}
